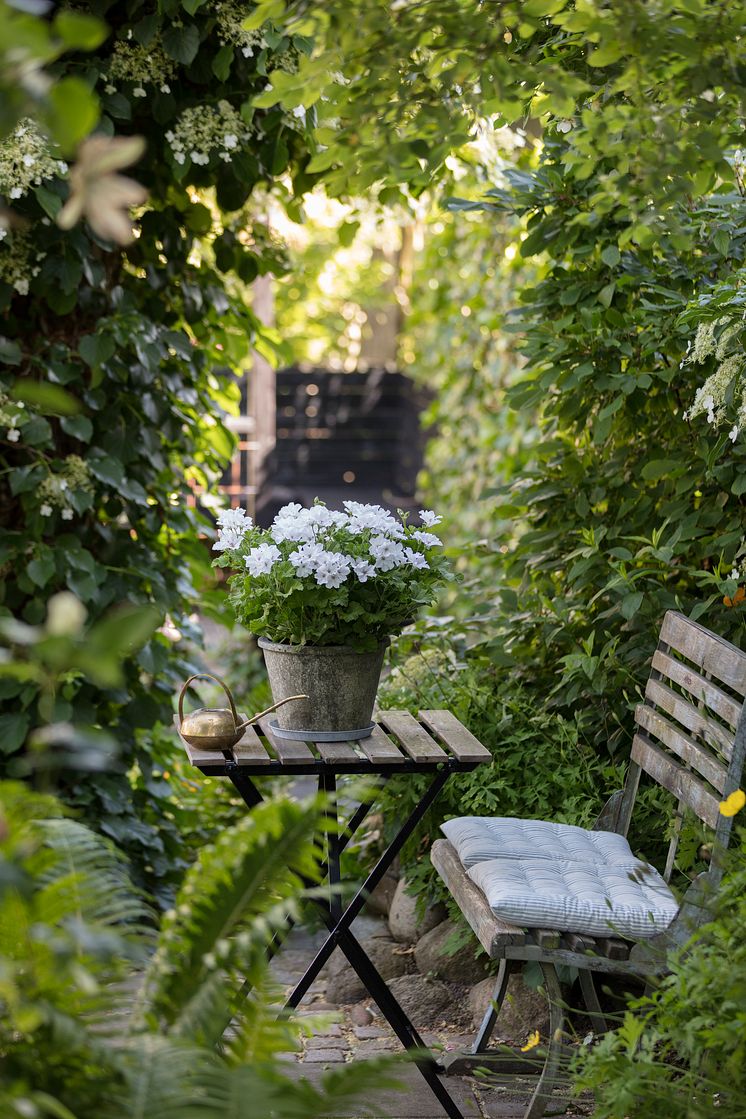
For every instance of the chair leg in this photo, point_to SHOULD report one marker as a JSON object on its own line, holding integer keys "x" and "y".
{"x": 548, "y": 1079}
{"x": 593, "y": 1006}
{"x": 488, "y": 1022}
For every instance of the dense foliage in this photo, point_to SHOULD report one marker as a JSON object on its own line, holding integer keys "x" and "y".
{"x": 118, "y": 362}
{"x": 680, "y": 1051}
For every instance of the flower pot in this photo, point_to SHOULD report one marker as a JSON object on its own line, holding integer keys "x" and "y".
{"x": 340, "y": 683}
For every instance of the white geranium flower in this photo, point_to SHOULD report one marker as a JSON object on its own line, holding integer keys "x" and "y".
{"x": 306, "y": 558}
{"x": 46, "y": 510}
{"x": 13, "y": 435}
{"x": 416, "y": 559}
{"x": 262, "y": 559}
{"x": 386, "y": 553}
{"x": 332, "y": 569}
{"x": 373, "y": 517}
{"x": 430, "y": 519}
{"x": 233, "y": 524}
{"x": 363, "y": 570}
{"x": 429, "y": 539}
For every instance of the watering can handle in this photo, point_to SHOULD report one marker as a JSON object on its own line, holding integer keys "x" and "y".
{"x": 207, "y": 676}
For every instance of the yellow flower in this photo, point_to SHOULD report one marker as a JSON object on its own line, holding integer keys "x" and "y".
{"x": 533, "y": 1041}
{"x": 732, "y": 804}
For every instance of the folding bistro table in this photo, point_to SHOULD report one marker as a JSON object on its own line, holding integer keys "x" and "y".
{"x": 434, "y": 743}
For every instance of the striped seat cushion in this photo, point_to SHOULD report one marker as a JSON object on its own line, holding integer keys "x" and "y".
{"x": 598, "y": 899}
{"x": 478, "y": 838}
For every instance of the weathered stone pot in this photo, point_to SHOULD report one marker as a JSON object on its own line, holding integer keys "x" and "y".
{"x": 340, "y": 682}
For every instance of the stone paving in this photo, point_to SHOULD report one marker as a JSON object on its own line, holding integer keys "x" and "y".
{"x": 358, "y": 1032}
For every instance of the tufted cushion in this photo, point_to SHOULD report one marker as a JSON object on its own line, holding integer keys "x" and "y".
{"x": 477, "y": 838}
{"x": 598, "y": 899}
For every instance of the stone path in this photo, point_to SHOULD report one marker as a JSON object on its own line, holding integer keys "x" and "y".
{"x": 358, "y": 1032}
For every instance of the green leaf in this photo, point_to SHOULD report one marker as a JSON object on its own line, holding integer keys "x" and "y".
{"x": 41, "y": 568}
{"x": 611, "y": 256}
{"x": 660, "y": 468}
{"x": 606, "y": 294}
{"x": 10, "y": 351}
{"x": 192, "y": 6}
{"x": 222, "y": 62}
{"x": 739, "y": 486}
{"x": 721, "y": 240}
{"x": 50, "y": 399}
{"x": 106, "y": 469}
{"x": 13, "y": 731}
{"x": 124, "y": 630}
{"x": 631, "y": 603}
{"x": 50, "y": 202}
{"x": 80, "y": 427}
{"x": 95, "y": 349}
{"x": 181, "y": 43}
{"x": 73, "y": 112}
{"x": 78, "y": 30}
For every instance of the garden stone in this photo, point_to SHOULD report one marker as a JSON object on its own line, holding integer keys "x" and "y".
{"x": 404, "y": 923}
{"x": 380, "y": 900}
{"x": 463, "y": 966}
{"x": 360, "y": 1016}
{"x": 422, "y": 1000}
{"x": 523, "y": 1010}
{"x": 344, "y": 986}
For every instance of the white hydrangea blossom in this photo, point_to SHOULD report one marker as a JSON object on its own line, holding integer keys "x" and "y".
{"x": 20, "y": 261}
{"x": 233, "y": 524}
{"x": 26, "y": 160}
{"x": 230, "y": 17}
{"x": 712, "y": 399}
{"x": 206, "y": 130}
{"x": 132, "y": 62}
{"x": 262, "y": 559}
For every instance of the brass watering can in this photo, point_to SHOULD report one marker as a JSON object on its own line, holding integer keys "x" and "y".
{"x": 217, "y": 728}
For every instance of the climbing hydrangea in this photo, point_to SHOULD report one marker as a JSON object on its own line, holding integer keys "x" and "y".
{"x": 207, "y": 130}
{"x": 230, "y": 19}
{"x": 329, "y": 576}
{"x": 55, "y": 490}
{"x": 19, "y": 260}
{"x": 132, "y": 62}
{"x": 26, "y": 160}
{"x": 725, "y": 386}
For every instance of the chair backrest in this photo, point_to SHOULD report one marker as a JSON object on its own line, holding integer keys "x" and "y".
{"x": 691, "y": 726}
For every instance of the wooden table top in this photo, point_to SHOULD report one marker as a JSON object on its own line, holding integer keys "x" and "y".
{"x": 400, "y": 743}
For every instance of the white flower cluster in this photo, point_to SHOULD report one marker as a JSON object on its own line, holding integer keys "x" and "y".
{"x": 230, "y": 18}
{"x": 19, "y": 260}
{"x": 12, "y": 417}
{"x": 26, "y": 161}
{"x": 324, "y": 543}
{"x": 233, "y": 524}
{"x": 205, "y": 130}
{"x": 54, "y": 492}
{"x": 711, "y": 398}
{"x": 132, "y": 62}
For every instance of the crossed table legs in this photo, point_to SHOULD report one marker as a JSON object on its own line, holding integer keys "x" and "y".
{"x": 338, "y": 920}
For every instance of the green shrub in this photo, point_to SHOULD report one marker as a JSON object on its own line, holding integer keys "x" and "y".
{"x": 681, "y": 1051}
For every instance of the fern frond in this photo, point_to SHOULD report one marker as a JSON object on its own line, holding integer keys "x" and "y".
{"x": 253, "y": 867}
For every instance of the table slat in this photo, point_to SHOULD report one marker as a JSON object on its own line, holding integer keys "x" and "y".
{"x": 456, "y": 737}
{"x": 288, "y": 751}
{"x": 413, "y": 738}
{"x": 380, "y": 750}
{"x": 336, "y": 752}
{"x": 197, "y": 754}
{"x": 250, "y": 751}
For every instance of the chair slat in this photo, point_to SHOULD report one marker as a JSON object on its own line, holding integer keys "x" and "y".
{"x": 288, "y": 751}
{"x": 378, "y": 748}
{"x": 250, "y": 749}
{"x": 698, "y": 686}
{"x": 337, "y": 752}
{"x": 457, "y": 738}
{"x": 416, "y": 742}
{"x": 714, "y": 735}
{"x": 491, "y": 932}
{"x": 681, "y": 782}
{"x": 707, "y": 651}
{"x": 693, "y": 753}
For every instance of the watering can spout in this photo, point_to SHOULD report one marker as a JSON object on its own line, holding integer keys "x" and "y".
{"x": 268, "y": 711}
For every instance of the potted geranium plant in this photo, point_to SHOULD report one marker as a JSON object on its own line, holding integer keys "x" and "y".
{"x": 324, "y": 591}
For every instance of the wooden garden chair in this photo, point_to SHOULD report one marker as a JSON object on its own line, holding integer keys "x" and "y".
{"x": 612, "y": 913}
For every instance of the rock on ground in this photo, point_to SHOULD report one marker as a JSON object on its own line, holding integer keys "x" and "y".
{"x": 343, "y": 985}
{"x": 522, "y": 1011}
{"x": 403, "y": 921}
{"x": 463, "y": 966}
{"x": 422, "y": 1000}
